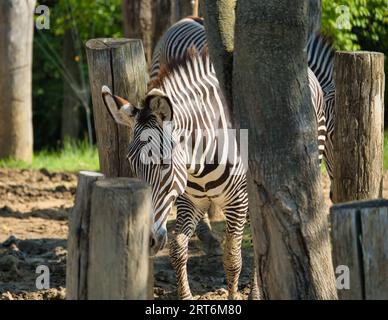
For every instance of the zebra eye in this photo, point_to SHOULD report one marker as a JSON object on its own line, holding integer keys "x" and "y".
{"x": 164, "y": 166}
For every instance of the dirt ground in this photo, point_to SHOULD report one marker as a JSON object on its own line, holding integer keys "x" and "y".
{"x": 34, "y": 206}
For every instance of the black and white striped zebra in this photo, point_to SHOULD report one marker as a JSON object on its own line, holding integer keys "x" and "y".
{"x": 185, "y": 148}
{"x": 190, "y": 32}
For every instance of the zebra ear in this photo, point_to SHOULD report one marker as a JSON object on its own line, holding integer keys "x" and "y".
{"x": 160, "y": 105}
{"x": 121, "y": 110}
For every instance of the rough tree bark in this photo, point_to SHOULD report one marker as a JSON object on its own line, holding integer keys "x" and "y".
{"x": 288, "y": 216}
{"x": 219, "y": 22}
{"x": 16, "y": 36}
{"x": 149, "y": 19}
{"x": 137, "y": 18}
{"x": 314, "y": 14}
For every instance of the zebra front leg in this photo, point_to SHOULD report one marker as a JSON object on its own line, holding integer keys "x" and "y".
{"x": 179, "y": 257}
{"x": 187, "y": 218}
{"x": 232, "y": 263}
{"x": 235, "y": 221}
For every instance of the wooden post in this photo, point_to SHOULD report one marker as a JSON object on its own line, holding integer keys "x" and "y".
{"x": 119, "y": 64}
{"x": 119, "y": 239}
{"x": 359, "y": 126}
{"x": 108, "y": 242}
{"x": 359, "y": 233}
{"x": 78, "y": 239}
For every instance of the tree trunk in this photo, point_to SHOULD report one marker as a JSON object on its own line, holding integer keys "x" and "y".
{"x": 16, "y": 36}
{"x": 271, "y": 97}
{"x": 359, "y": 129}
{"x": 314, "y": 14}
{"x": 71, "y": 103}
{"x": 219, "y": 23}
{"x": 285, "y": 195}
{"x": 137, "y": 17}
{"x": 149, "y": 19}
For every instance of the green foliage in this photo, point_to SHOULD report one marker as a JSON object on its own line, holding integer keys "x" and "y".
{"x": 73, "y": 157}
{"x": 87, "y": 19}
{"x": 367, "y": 26}
{"x": 90, "y": 18}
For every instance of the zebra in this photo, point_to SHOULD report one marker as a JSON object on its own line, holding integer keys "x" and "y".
{"x": 190, "y": 32}
{"x": 194, "y": 160}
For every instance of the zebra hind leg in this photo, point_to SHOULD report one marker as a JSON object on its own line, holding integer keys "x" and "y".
{"x": 210, "y": 243}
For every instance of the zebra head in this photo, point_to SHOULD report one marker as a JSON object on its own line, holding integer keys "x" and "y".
{"x": 155, "y": 155}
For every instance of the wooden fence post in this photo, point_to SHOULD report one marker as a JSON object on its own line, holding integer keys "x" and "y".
{"x": 112, "y": 263}
{"x": 359, "y": 233}
{"x": 359, "y": 126}
{"x": 120, "y": 222}
{"x": 78, "y": 239}
{"x": 120, "y": 64}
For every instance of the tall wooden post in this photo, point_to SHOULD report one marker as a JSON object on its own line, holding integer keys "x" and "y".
{"x": 359, "y": 126}
{"x": 119, "y": 64}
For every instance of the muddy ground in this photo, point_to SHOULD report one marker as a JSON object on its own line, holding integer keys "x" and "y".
{"x": 34, "y": 207}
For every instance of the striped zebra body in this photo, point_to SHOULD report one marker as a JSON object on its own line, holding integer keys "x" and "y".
{"x": 190, "y": 32}
{"x": 215, "y": 172}
{"x": 197, "y": 165}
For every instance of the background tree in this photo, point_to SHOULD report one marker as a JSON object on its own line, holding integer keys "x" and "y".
{"x": 16, "y": 35}
{"x": 314, "y": 14}
{"x": 288, "y": 216}
{"x": 149, "y": 19}
{"x": 61, "y": 95}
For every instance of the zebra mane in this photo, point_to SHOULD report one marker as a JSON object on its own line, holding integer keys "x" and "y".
{"x": 168, "y": 69}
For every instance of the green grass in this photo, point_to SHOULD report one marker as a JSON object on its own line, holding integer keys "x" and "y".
{"x": 73, "y": 157}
